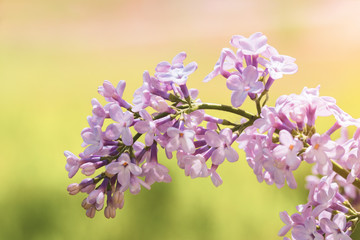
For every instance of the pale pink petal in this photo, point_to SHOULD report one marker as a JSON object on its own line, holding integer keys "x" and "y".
{"x": 289, "y": 68}
{"x": 284, "y": 216}
{"x": 234, "y": 83}
{"x": 127, "y": 137}
{"x": 145, "y": 115}
{"x": 238, "y": 98}
{"x": 327, "y": 225}
{"x": 216, "y": 179}
{"x": 89, "y": 137}
{"x": 142, "y": 126}
{"x": 189, "y": 134}
{"x": 218, "y": 156}
{"x": 290, "y": 179}
{"x": 92, "y": 149}
{"x": 124, "y": 176}
{"x": 179, "y": 58}
{"x": 250, "y": 74}
{"x": 120, "y": 88}
{"x": 285, "y": 138}
{"x": 280, "y": 151}
{"x": 292, "y": 160}
{"x": 113, "y": 131}
{"x": 124, "y": 158}
{"x": 187, "y": 145}
{"x": 190, "y": 68}
{"x": 172, "y": 132}
{"x": 227, "y": 134}
{"x": 275, "y": 74}
{"x": 340, "y": 220}
{"x": 116, "y": 113}
{"x": 173, "y": 144}
{"x": 107, "y": 89}
{"x": 284, "y": 230}
{"x": 149, "y": 139}
{"x": 213, "y": 139}
{"x": 257, "y": 87}
{"x": 163, "y": 67}
{"x": 128, "y": 118}
{"x": 134, "y": 169}
{"x": 231, "y": 154}
{"x": 113, "y": 168}
{"x": 72, "y": 171}
{"x": 166, "y": 77}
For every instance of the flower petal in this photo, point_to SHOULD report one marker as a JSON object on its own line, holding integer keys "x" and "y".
{"x": 238, "y": 98}
{"x": 213, "y": 139}
{"x": 127, "y": 137}
{"x": 218, "y": 156}
{"x": 231, "y": 154}
{"x": 113, "y": 168}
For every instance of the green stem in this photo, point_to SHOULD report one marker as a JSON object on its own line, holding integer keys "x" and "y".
{"x": 344, "y": 173}
{"x": 221, "y": 107}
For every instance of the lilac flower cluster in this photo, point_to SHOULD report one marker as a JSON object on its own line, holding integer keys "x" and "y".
{"x": 166, "y": 114}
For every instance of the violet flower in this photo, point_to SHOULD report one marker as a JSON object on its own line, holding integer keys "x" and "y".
{"x": 243, "y": 85}
{"x": 124, "y": 168}
{"x": 289, "y": 149}
{"x": 175, "y": 72}
{"x": 147, "y": 126}
{"x": 92, "y": 139}
{"x": 180, "y": 139}
{"x": 254, "y": 45}
{"x": 279, "y": 65}
{"x": 121, "y": 128}
{"x": 222, "y": 142}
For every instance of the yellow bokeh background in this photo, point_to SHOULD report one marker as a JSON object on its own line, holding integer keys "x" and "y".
{"x": 54, "y": 55}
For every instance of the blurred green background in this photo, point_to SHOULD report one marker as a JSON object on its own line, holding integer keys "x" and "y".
{"x": 54, "y": 55}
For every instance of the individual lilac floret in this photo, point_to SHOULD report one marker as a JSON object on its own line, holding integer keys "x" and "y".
{"x": 112, "y": 94}
{"x": 335, "y": 229}
{"x": 152, "y": 170}
{"x": 175, "y": 72}
{"x": 323, "y": 195}
{"x": 215, "y": 177}
{"x": 254, "y": 45}
{"x": 195, "y": 166}
{"x": 123, "y": 167}
{"x": 72, "y": 163}
{"x": 322, "y": 149}
{"x": 222, "y": 142}
{"x": 289, "y": 223}
{"x": 183, "y": 139}
{"x": 243, "y": 85}
{"x": 99, "y": 113}
{"x": 147, "y": 126}
{"x": 93, "y": 139}
{"x": 278, "y": 170}
{"x": 228, "y": 60}
{"x": 121, "y": 128}
{"x": 279, "y": 65}
{"x": 307, "y": 230}
{"x": 355, "y": 169}
{"x": 155, "y": 172}
{"x": 289, "y": 149}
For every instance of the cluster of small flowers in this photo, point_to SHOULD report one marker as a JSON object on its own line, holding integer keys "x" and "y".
{"x": 276, "y": 139}
{"x": 329, "y": 212}
{"x": 284, "y": 136}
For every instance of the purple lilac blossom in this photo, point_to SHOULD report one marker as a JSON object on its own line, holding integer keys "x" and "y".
{"x": 243, "y": 85}
{"x": 276, "y": 139}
